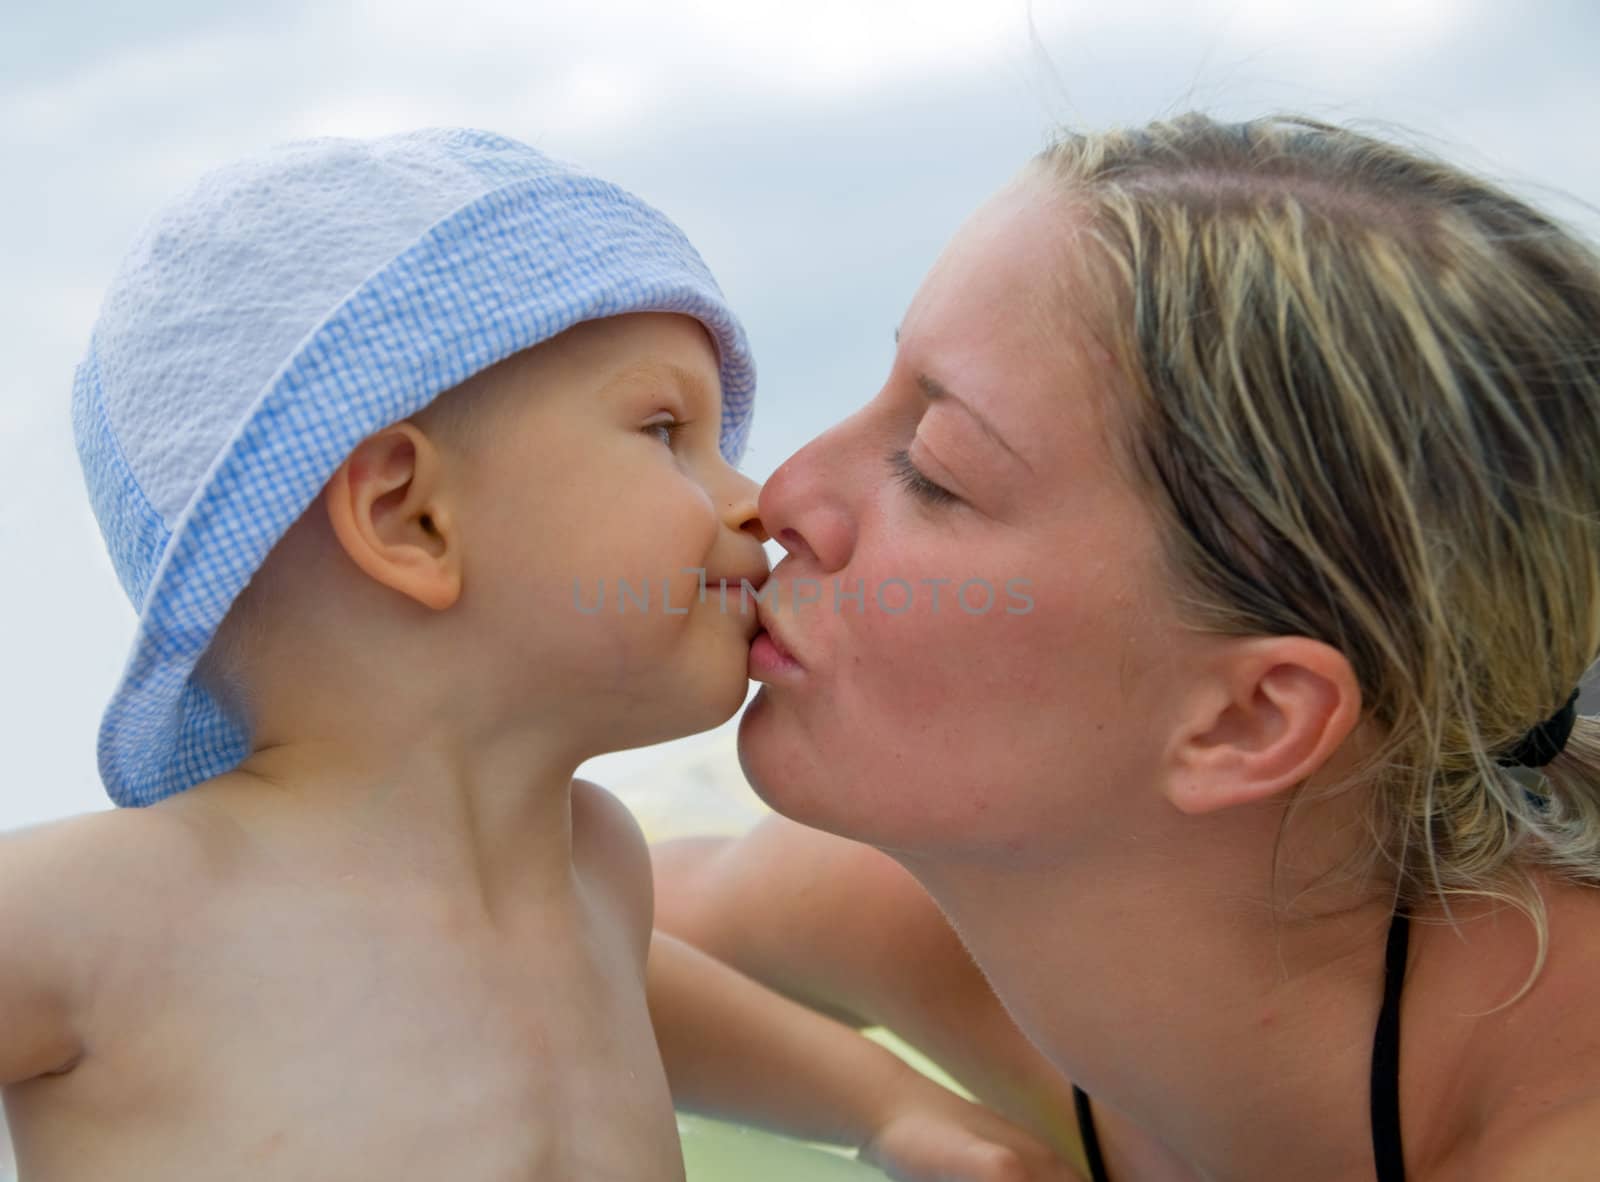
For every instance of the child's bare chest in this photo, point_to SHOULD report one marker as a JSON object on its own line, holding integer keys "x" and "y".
{"x": 334, "y": 1047}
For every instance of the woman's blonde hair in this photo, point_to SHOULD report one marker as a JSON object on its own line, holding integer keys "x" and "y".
{"x": 1368, "y": 405}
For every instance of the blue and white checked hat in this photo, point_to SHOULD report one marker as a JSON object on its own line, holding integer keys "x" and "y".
{"x": 283, "y": 310}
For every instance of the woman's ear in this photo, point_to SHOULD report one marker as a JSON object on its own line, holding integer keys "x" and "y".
{"x": 1269, "y": 715}
{"x": 387, "y": 507}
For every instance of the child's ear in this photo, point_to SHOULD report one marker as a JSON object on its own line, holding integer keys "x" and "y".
{"x": 387, "y": 508}
{"x": 1267, "y": 716}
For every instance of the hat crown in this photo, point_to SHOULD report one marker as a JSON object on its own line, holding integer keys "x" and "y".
{"x": 227, "y": 281}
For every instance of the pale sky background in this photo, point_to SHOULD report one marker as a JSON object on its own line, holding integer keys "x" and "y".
{"x": 819, "y": 155}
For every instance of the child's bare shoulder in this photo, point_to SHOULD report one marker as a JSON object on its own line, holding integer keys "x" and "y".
{"x": 75, "y": 895}
{"x": 90, "y": 854}
{"x": 610, "y": 852}
{"x": 89, "y": 875}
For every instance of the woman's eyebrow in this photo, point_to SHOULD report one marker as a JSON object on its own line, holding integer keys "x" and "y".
{"x": 937, "y": 392}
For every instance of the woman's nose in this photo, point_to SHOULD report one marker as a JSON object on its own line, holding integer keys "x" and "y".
{"x": 805, "y": 506}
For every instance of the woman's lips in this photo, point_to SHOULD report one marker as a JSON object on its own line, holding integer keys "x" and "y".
{"x": 769, "y": 658}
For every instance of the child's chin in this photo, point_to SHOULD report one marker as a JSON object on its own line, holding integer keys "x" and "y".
{"x": 698, "y": 708}
{"x": 724, "y": 701}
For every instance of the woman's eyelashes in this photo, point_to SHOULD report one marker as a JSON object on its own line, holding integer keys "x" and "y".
{"x": 916, "y": 483}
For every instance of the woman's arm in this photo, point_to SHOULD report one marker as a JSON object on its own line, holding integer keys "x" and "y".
{"x": 736, "y": 1050}
{"x": 845, "y": 930}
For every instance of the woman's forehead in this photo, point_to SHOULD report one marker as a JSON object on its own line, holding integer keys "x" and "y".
{"x": 1004, "y": 318}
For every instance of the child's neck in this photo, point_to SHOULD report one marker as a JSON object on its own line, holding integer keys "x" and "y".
{"x": 489, "y": 823}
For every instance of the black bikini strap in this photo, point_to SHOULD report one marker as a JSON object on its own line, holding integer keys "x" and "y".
{"x": 1386, "y": 1146}
{"x": 1088, "y": 1135}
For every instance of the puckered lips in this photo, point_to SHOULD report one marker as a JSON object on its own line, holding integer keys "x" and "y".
{"x": 772, "y": 656}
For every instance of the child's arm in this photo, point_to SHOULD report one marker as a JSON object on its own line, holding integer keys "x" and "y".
{"x": 736, "y": 1050}
{"x": 37, "y": 1035}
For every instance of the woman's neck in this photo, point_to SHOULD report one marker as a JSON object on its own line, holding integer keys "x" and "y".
{"x": 1237, "y": 1038}
{"x": 1236, "y": 1035}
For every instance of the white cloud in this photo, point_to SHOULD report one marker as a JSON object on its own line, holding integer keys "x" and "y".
{"x": 57, "y": 111}
{"x": 824, "y": 47}
{"x": 1378, "y": 24}
{"x": 829, "y": 46}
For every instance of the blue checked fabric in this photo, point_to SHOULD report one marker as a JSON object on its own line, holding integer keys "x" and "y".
{"x": 289, "y": 306}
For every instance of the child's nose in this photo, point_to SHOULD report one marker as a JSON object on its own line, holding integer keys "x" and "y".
{"x": 741, "y": 509}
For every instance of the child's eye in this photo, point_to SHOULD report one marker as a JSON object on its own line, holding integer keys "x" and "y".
{"x": 919, "y": 485}
{"x": 667, "y": 428}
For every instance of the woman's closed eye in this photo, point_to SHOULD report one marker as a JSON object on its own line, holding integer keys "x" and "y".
{"x": 916, "y": 483}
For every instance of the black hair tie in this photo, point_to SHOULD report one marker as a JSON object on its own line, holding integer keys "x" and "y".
{"x": 1545, "y": 741}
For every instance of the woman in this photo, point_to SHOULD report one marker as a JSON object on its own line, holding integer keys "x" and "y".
{"x": 1292, "y": 439}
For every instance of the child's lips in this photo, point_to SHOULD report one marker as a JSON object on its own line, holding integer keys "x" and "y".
{"x": 735, "y": 582}
{"x": 730, "y": 590}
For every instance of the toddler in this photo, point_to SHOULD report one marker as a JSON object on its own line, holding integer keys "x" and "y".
{"x": 370, "y": 429}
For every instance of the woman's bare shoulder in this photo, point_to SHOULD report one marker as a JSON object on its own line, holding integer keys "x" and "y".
{"x": 1541, "y": 1094}
{"x": 1561, "y": 1145}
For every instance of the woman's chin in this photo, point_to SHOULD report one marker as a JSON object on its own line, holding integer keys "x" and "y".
{"x": 784, "y": 772}
{"x": 769, "y": 773}
{"x": 812, "y": 784}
